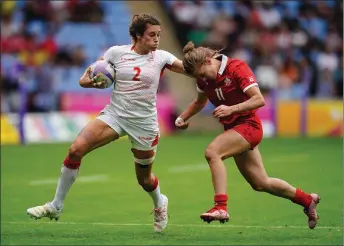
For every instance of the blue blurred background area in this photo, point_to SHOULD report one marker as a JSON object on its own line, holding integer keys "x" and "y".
{"x": 295, "y": 48}
{"x": 53, "y": 42}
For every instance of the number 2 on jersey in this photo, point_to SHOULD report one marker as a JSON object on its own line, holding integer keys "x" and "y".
{"x": 219, "y": 94}
{"x": 136, "y": 76}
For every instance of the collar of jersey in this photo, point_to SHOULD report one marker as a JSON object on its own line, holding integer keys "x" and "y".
{"x": 224, "y": 60}
{"x": 132, "y": 49}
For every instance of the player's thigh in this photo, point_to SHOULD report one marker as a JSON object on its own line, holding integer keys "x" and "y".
{"x": 228, "y": 144}
{"x": 250, "y": 165}
{"x": 144, "y": 148}
{"x": 144, "y": 139}
{"x": 95, "y": 134}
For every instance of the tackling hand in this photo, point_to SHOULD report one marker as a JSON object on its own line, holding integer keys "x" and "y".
{"x": 181, "y": 124}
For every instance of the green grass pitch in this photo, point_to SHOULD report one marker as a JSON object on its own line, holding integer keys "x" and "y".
{"x": 107, "y": 206}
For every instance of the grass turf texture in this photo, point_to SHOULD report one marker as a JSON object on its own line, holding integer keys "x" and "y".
{"x": 114, "y": 210}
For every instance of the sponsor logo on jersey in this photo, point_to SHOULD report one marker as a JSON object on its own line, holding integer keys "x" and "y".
{"x": 127, "y": 59}
{"x": 145, "y": 138}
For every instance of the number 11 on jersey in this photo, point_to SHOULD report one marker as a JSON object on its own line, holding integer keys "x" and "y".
{"x": 219, "y": 94}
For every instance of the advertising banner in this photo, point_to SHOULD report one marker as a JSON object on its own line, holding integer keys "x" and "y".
{"x": 288, "y": 118}
{"x": 9, "y": 131}
{"x": 94, "y": 102}
{"x": 267, "y": 117}
{"x": 79, "y": 109}
{"x": 319, "y": 119}
{"x": 84, "y": 102}
{"x": 324, "y": 118}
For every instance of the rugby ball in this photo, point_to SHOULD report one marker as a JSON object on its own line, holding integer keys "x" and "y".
{"x": 106, "y": 72}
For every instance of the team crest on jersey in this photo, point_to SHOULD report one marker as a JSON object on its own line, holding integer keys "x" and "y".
{"x": 151, "y": 62}
{"x": 151, "y": 57}
{"x": 228, "y": 81}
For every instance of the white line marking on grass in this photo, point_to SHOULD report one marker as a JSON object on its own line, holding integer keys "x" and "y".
{"x": 82, "y": 179}
{"x": 189, "y": 168}
{"x": 177, "y": 225}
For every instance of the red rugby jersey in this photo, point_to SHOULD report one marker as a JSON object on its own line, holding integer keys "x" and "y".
{"x": 233, "y": 79}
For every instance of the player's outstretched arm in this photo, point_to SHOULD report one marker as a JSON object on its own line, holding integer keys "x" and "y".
{"x": 256, "y": 101}
{"x": 177, "y": 67}
{"x": 196, "y": 106}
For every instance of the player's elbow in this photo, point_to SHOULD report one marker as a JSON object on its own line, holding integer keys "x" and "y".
{"x": 200, "y": 103}
{"x": 261, "y": 101}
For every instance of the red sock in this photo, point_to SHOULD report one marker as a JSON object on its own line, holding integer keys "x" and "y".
{"x": 155, "y": 184}
{"x": 71, "y": 164}
{"x": 221, "y": 201}
{"x": 302, "y": 198}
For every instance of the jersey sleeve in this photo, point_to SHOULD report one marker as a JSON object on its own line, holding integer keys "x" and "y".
{"x": 168, "y": 58}
{"x": 112, "y": 54}
{"x": 245, "y": 77}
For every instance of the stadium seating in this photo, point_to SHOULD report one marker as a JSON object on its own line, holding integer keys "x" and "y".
{"x": 94, "y": 38}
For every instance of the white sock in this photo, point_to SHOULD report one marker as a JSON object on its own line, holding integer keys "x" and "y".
{"x": 156, "y": 196}
{"x": 67, "y": 178}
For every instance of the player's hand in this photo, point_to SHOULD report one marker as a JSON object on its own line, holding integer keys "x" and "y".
{"x": 87, "y": 81}
{"x": 223, "y": 111}
{"x": 181, "y": 124}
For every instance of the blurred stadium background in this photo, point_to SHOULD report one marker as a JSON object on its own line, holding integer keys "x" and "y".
{"x": 294, "y": 47}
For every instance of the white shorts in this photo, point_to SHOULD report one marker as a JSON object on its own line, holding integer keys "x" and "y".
{"x": 144, "y": 135}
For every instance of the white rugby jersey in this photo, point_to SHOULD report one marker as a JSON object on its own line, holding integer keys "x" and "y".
{"x": 137, "y": 80}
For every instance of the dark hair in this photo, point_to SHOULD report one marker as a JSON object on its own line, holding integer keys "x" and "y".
{"x": 139, "y": 24}
{"x": 194, "y": 56}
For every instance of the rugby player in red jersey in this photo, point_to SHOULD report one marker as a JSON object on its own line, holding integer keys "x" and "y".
{"x": 231, "y": 87}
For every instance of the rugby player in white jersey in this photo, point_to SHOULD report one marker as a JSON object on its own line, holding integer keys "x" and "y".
{"x": 132, "y": 112}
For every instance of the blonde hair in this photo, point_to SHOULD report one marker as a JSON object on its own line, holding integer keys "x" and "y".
{"x": 196, "y": 56}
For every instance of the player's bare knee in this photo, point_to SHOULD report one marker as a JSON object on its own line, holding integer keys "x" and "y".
{"x": 257, "y": 187}
{"x": 77, "y": 150}
{"x": 143, "y": 154}
{"x": 260, "y": 186}
{"x": 211, "y": 155}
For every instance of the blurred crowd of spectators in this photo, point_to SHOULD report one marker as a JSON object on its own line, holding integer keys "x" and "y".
{"x": 295, "y": 47}
{"x": 28, "y": 47}
{"x": 47, "y": 44}
{"x": 28, "y": 27}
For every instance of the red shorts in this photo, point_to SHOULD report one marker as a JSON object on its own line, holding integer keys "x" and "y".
{"x": 248, "y": 127}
